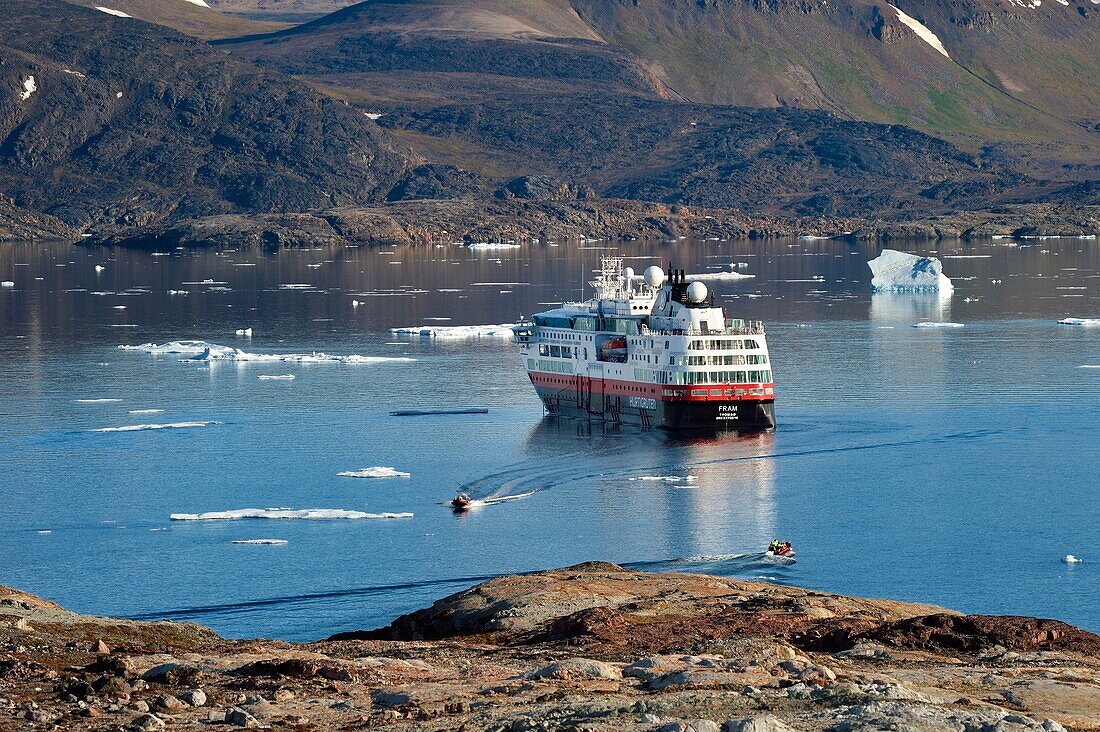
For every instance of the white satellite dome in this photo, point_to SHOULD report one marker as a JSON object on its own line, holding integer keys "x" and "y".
{"x": 628, "y": 273}
{"x": 697, "y": 292}
{"x": 654, "y": 276}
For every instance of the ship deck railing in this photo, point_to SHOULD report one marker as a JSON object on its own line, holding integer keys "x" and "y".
{"x": 752, "y": 327}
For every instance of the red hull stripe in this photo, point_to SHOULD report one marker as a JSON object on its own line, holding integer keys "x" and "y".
{"x": 667, "y": 393}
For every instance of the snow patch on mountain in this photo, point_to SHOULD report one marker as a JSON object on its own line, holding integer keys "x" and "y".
{"x": 922, "y": 31}
{"x": 29, "y": 87}
{"x": 116, "y": 13}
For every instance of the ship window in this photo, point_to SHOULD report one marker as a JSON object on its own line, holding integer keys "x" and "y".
{"x": 544, "y": 350}
{"x": 751, "y": 344}
{"x": 555, "y": 351}
{"x": 716, "y": 392}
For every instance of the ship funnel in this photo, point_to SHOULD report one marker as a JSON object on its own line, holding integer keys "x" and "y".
{"x": 697, "y": 292}
{"x": 654, "y": 276}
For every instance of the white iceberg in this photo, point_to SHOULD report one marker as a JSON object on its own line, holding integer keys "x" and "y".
{"x": 896, "y": 271}
{"x": 379, "y": 471}
{"x": 936, "y": 324}
{"x": 276, "y": 377}
{"x": 1085, "y": 322}
{"x": 308, "y": 514}
{"x": 1070, "y": 559}
{"x": 277, "y": 542}
{"x": 203, "y": 351}
{"x": 503, "y": 330}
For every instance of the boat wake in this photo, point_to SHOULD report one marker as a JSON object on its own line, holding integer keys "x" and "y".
{"x": 493, "y": 500}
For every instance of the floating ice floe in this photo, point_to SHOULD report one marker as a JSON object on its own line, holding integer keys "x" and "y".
{"x": 203, "y": 351}
{"x": 1086, "y": 322}
{"x": 99, "y": 268}
{"x": 296, "y": 286}
{"x": 309, "y": 514}
{"x": 244, "y": 332}
{"x": 146, "y": 411}
{"x": 276, "y": 377}
{"x": 668, "y": 478}
{"x": 29, "y": 88}
{"x": 727, "y": 274}
{"x": 936, "y": 324}
{"x": 922, "y": 31}
{"x": 493, "y": 245}
{"x": 7, "y": 283}
{"x": 379, "y": 471}
{"x": 1070, "y": 559}
{"x": 261, "y": 541}
{"x": 896, "y": 271}
{"x": 503, "y": 330}
{"x": 144, "y": 427}
{"x": 116, "y": 13}
{"x": 103, "y": 400}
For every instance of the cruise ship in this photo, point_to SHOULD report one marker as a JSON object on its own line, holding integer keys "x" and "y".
{"x": 650, "y": 350}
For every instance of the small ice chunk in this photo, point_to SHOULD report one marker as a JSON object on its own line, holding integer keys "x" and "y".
{"x": 29, "y": 88}
{"x": 1086, "y": 322}
{"x": 99, "y": 268}
{"x": 896, "y": 271}
{"x": 103, "y": 400}
{"x": 276, "y": 377}
{"x": 7, "y": 283}
{"x": 145, "y": 411}
{"x": 1070, "y": 559}
{"x": 116, "y": 13}
{"x": 667, "y": 478}
{"x": 936, "y": 324}
{"x": 379, "y": 471}
{"x": 244, "y": 332}
{"x": 276, "y": 542}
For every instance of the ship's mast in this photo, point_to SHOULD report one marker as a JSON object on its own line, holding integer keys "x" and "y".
{"x": 611, "y": 285}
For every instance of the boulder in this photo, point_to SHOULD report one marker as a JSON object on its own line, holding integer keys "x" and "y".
{"x": 756, "y": 723}
{"x": 147, "y": 722}
{"x": 172, "y": 674}
{"x": 241, "y": 718}
{"x": 193, "y": 698}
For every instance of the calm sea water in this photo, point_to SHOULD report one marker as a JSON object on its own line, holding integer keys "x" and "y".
{"x": 954, "y": 465}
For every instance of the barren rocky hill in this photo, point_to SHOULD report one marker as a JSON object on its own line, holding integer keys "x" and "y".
{"x": 113, "y": 120}
{"x": 591, "y": 647}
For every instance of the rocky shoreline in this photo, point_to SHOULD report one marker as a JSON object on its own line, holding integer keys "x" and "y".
{"x": 590, "y": 647}
{"x": 430, "y": 222}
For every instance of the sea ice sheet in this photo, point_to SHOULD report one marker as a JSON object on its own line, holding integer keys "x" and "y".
{"x": 309, "y": 514}
{"x": 896, "y": 271}
{"x": 379, "y": 471}
{"x": 503, "y": 330}
{"x": 203, "y": 351}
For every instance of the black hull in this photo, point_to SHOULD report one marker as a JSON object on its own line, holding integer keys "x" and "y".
{"x": 723, "y": 416}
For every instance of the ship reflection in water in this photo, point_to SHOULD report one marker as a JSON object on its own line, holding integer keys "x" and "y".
{"x": 704, "y": 503}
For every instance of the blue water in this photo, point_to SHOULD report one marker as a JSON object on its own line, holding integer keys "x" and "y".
{"x": 954, "y": 466}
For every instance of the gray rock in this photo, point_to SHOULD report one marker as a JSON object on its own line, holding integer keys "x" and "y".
{"x": 193, "y": 698}
{"x": 757, "y": 723}
{"x": 147, "y": 722}
{"x": 649, "y": 719}
{"x": 140, "y": 706}
{"x": 1051, "y": 726}
{"x": 168, "y": 703}
{"x": 262, "y": 709}
{"x": 241, "y": 718}
{"x": 702, "y": 725}
{"x": 171, "y": 673}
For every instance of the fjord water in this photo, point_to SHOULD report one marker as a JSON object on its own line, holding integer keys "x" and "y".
{"x": 951, "y": 465}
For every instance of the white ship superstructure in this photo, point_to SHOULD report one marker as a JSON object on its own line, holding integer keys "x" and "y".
{"x": 650, "y": 350}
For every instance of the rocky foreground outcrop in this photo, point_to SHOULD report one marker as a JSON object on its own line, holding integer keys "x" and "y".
{"x": 590, "y": 647}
